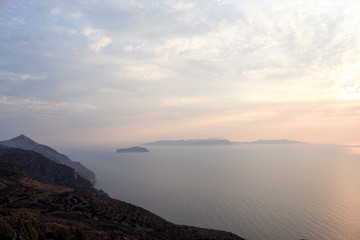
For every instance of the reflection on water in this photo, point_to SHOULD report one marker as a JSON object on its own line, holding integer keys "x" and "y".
{"x": 353, "y": 149}
{"x": 345, "y": 198}
{"x": 258, "y": 191}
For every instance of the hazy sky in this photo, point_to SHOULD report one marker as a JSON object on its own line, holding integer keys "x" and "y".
{"x": 104, "y": 72}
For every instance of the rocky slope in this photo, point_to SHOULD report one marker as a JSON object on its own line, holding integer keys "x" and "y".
{"x": 42, "y": 169}
{"x": 26, "y": 143}
{"x": 34, "y": 209}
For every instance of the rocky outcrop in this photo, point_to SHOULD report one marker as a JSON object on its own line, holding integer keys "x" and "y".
{"x": 26, "y": 143}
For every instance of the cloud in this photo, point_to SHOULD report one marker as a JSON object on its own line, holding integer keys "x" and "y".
{"x": 112, "y": 91}
{"x": 56, "y": 11}
{"x": 181, "y": 5}
{"x": 161, "y": 60}
{"x": 88, "y": 31}
{"x": 186, "y": 101}
{"x": 76, "y": 15}
{"x": 34, "y": 106}
{"x": 100, "y": 42}
{"x": 98, "y": 39}
{"x": 13, "y": 77}
{"x": 347, "y": 85}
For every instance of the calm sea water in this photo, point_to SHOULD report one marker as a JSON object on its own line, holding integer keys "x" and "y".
{"x": 256, "y": 191}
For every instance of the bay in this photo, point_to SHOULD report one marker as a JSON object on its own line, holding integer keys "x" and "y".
{"x": 285, "y": 191}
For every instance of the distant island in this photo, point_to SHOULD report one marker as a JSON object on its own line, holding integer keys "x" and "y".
{"x": 191, "y": 142}
{"x": 215, "y": 142}
{"x": 132, "y": 150}
{"x": 280, "y": 141}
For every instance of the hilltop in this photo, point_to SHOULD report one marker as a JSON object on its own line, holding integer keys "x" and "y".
{"x": 26, "y": 143}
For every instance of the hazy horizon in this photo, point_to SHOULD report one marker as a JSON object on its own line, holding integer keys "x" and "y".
{"x": 113, "y": 146}
{"x": 87, "y": 73}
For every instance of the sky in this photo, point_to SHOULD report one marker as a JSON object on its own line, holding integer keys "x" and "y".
{"x": 91, "y": 72}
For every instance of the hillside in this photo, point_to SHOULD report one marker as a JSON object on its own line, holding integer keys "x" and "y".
{"x": 45, "y": 170}
{"x": 32, "y": 208}
{"x": 26, "y": 143}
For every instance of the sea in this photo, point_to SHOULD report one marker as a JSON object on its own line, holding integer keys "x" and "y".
{"x": 269, "y": 191}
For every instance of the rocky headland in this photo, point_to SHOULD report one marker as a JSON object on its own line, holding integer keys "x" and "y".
{"x": 41, "y": 199}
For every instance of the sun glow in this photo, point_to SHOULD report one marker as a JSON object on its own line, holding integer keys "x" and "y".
{"x": 348, "y": 86}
